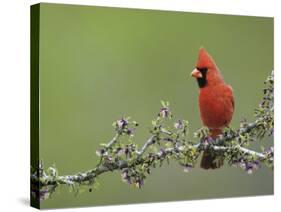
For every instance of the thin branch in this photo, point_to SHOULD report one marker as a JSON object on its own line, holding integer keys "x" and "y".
{"x": 113, "y": 140}
{"x": 93, "y": 173}
{"x": 148, "y": 143}
{"x": 245, "y": 129}
{"x": 245, "y": 151}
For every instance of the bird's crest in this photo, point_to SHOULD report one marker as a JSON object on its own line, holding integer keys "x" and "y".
{"x": 205, "y": 60}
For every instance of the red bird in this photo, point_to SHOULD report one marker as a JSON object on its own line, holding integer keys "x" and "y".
{"x": 216, "y": 103}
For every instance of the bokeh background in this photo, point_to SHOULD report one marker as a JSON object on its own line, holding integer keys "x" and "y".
{"x": 98, "y": 64}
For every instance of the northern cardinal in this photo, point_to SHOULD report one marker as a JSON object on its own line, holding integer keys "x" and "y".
{"x": 216, "y": 103}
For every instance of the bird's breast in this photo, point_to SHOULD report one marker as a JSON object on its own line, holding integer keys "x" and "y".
{"x": 215, "y": 106}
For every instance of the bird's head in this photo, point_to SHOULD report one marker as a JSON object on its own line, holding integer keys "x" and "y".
{"x": 206, "y": 71}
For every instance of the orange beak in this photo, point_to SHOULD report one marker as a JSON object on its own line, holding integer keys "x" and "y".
{"x": 196, "y": 73}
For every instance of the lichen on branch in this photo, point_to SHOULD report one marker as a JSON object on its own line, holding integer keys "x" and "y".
{"x": 167, "y": 143}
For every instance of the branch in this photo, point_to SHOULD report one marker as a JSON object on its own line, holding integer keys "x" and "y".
{"x": 167, "y": 143}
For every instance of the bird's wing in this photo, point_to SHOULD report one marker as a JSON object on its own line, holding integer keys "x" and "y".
{"x": 229, "y": 94}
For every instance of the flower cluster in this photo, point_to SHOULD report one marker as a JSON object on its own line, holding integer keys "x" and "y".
{"x": 125, "y": 127}
{"x": 248, "y": 166}
{"x": 132, "y": 177}
{"x": 165, "y": 110}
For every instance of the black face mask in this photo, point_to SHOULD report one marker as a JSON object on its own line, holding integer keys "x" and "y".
{"x": 202, "y": 82}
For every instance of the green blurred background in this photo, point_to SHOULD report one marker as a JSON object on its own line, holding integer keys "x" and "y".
{"x": 98, "y": 64}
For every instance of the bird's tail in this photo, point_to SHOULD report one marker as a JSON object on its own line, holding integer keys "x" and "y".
{"x": 210, "y": 160}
